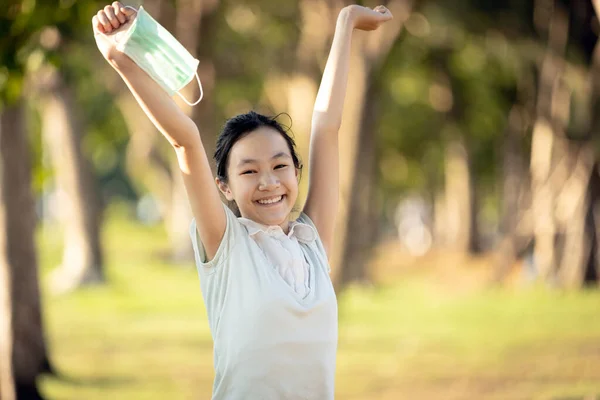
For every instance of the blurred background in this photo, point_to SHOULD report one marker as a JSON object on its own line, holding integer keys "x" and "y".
{"x": 469, "y": 164}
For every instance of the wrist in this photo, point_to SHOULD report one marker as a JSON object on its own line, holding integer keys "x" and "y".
{"x": 347, "y": 17}
{"x": 119, "y": 61}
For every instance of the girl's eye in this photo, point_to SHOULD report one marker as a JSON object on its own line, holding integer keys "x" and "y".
{"x": 248, "y": 172}
{"x": 280, "y": 166}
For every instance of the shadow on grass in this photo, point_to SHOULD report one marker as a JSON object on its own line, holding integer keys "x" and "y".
{"x": 95, "y": 381}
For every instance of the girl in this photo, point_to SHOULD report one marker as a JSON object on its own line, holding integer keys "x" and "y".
{"x": 265, "y": 279}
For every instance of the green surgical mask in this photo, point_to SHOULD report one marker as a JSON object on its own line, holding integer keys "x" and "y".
{"x": 158, "y": 53}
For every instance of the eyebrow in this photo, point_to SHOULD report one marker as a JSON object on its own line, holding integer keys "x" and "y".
{"x": 245, "y": 161}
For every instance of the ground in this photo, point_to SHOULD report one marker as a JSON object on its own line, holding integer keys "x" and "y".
{"x": 428, "y": 328}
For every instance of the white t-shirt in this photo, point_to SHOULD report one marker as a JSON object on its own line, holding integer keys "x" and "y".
{"x": 272, "y": 341}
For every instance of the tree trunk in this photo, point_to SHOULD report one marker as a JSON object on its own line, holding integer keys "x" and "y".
{"x": 592, "y": 269}
{"x": 295, "y": 91}
{"x": 544, "y": 146}
{"x": 149, "y": 160}
{"x": 7, "y": 386}
{"x": 349, "y": 141}
{"x": 573, "y": 206}
{"x": 544, "y": 226}
{"x": 318, "y": 25}
{"x": 513, "y": 212}
{"x": 81, "y": 210}
{"x": 145, "y": 164}
{"x": 146, "y": 160}
{"x": 354, "y": 236}
{"x": 18, "y": 262}
{"x": 364, "y": 210}
{"x": 460, "y": 208}
{"x": 578, "y": 196}
{"x": 592, "y": 273}
{"x": 368, "y": 52}
{"x": 512, "y": 171}
{"x": 190, "y": 28}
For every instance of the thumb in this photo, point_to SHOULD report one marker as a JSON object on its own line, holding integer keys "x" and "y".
{"x": 386, "y": 15}
{"x": 384, "y": 11}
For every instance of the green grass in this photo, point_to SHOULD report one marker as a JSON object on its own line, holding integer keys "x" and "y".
{"x": 145, "y": 335}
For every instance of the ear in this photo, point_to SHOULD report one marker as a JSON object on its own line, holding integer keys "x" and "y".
{"x": 224, "y": 188}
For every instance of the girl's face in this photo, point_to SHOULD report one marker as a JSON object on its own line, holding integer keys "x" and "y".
{"x": 263, "y": 180}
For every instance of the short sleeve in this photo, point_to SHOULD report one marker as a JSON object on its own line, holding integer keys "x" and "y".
{"x": 320, "y": 249}
{"x": 232, "y": 229}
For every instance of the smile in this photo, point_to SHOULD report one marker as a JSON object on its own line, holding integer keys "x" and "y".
{"x": 271, "y": 201}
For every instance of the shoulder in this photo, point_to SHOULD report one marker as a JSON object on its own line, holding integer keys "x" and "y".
{"x": 305, "y": 223}
{"x": 234, "y": 232}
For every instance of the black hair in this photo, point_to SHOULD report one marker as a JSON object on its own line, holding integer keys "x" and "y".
{"x": 239, "y": 126}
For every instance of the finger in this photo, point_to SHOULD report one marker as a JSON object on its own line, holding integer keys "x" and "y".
{"x": 118, "y": 14}
{"x": 96, "y": 25}
{"x": 110, "y": 14}
{"x": 117, "y": 5}
{"x": 104, "y": 21}
{"x": 128, "y": 11}
{"x": 382, "y": 10}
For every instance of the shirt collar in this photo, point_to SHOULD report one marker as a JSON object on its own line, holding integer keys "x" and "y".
{"x": 303, "y": 232}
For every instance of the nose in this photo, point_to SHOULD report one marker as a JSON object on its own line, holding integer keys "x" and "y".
{"x": 268, "y": 181}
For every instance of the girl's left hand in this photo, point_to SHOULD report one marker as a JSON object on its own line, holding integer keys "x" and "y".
{"x": 366, "y": 19}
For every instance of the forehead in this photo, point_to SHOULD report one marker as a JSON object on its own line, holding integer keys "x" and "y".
{"x": 260, "y": 144}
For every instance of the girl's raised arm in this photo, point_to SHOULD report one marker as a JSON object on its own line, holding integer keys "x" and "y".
{"x": 171, "y": 121}
{"x": 322, "y": 201}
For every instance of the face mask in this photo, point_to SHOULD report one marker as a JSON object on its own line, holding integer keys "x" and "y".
{"x": 158, "y": 53}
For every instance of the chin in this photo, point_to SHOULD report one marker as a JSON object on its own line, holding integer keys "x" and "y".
{"x": 275, "y": 216}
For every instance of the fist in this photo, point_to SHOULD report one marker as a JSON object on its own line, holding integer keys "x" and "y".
{"x": 108, "y": 25}
{"x": 366, "y": 19}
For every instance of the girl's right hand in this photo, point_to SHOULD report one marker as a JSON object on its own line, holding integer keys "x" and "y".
{"x": 108, "y": 25}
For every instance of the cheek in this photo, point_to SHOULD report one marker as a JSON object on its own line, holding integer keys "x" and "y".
{"x": 245, "y": 187}
{"x": 291, "y": 181}
{"x": 238, "y": 187}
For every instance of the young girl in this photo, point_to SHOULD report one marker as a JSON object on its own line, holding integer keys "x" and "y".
{"x": 265, "y": 279}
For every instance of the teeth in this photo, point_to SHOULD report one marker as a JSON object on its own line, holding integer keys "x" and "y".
{"x": 271, "y": 201}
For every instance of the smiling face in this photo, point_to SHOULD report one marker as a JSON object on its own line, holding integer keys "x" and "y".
{"x": 262, "y": 178}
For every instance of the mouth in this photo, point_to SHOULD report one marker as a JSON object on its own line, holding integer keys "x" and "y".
{"x": 270, "y": 202}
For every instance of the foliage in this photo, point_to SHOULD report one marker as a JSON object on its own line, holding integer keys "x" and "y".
{"x": 252, "y": 40}
{"x": 19, "y": 23}
{"x": 453, "y": 72}
{"x": 445, "y": 79}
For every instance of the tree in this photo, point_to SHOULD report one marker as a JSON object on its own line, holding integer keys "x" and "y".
{"x": 24, "y": 354}
{"x": 81, "y": 208}
{"x": 359, "y": 208}
{"x": 577, "y": 201}
{"x": 295, "y": 90}
{"x": 149, "y": 160}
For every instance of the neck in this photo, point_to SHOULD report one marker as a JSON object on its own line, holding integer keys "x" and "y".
{"x": 285, "y": 226}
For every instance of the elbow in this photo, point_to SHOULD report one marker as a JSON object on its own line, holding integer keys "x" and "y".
{"x": 186, "y": 145}
{"x": 186, "y": 152}
{"x": 189, "y": 137}
{"x": 328, "y": 128}
{"x": 328, "y": 125}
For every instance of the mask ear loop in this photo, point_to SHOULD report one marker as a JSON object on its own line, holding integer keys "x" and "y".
{"x": 201, "y": 93}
